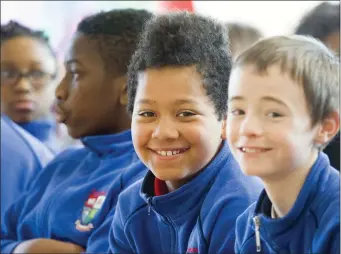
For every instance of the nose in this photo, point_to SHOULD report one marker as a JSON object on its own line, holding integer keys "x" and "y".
{"x": 23, "y": 85}
{"x": 251, "y": 126}
{"x": 61, "y": 92}
{"x": 166, "y": 129}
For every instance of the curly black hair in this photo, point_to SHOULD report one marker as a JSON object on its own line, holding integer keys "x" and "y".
{"x": 14, "y": 29}
{"x": 321, "y": 21}
{"x": 116, "y": 34}
{"x": 185, "y": 39}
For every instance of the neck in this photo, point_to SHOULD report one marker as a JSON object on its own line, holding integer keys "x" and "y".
{"x": 174, "y": 185}
{"x": 284, "y": 190}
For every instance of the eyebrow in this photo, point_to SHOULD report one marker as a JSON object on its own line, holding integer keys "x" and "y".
{"x": 184, "y": 101}
{"x": 265, "y": 98}
{"x": 34, "y": 65}
{"x": 177, "y": 102}
{"x": 272, "y": 99}
{"x": 146, "y": 101}
{"x": 6, "y": 62}
{"x": 236, "y": 98}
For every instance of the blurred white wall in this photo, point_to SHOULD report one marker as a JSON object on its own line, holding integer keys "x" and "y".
{"x": 58, "y": 18}
{"x": 272, "y": 17}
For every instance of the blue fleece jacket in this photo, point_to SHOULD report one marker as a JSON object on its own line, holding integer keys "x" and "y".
{"x": 311, "y": 226}
{"x": 74, "y": 197}
{"x": 45, "y": 131}
{"x": 199, "y": 217}
{"x": 22, "y": 157}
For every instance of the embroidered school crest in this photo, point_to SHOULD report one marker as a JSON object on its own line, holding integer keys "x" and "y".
{"x": 90, "y": 209}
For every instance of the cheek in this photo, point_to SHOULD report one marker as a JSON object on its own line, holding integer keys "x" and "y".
{"x": 5, "y": 95}
{"x": 141, "y": 133}
{"x": 206, "y": 138}
{"x": 45, "y": 96}
{"x": 80, "y": 102}
{"x": 232, "y": 130}
{"x": 291, "y": 134}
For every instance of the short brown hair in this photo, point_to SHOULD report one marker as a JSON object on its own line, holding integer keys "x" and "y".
{"x": 242, "y": 36}
{"x": 308, "y": 62}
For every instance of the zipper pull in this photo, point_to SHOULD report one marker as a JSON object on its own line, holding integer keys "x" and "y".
{"x": 256, "y": 222}
{"x": 149, "y": 204}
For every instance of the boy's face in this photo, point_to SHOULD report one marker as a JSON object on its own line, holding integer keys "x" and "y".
{"x": 175, "y": 130}
{"x": 26, "y": 99}
{"x": 268, "y": 125}
{"x": 87, "y": 99}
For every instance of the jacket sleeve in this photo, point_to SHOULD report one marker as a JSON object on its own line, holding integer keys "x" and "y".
{"x": 25, "y": 203}
{"x": 9, "y": 238}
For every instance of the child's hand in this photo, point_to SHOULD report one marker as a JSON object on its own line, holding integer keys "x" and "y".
{"x": 43, "y": 245}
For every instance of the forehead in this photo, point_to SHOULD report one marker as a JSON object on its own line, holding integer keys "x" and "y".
{"x": 246, "y": 82}
{"x": 23, "y": 51}
{"x": 169, "y": 83}
{"x": 83, "y": 49}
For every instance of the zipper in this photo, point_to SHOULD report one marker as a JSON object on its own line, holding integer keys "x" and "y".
{"x": 173, "y": 233}
{"x": 149, "y": 200}
{"x": 169, "y": 222}
{"x": 256, "y": 222}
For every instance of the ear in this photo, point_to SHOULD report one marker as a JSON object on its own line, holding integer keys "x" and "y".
{"x": 223, "y": 129}
{"x": 328, "y": 128}
{"x": 121, "y": 84}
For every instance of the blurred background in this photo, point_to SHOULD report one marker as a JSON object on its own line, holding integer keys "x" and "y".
{"x": 59, "y": 18}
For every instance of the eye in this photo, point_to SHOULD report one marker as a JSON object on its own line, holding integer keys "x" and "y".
{"x": 237, "y": 112}
{"x": 8, "y": 73}
{"x": 186, "y": 114}
{"x": 37, "y": 74}
{"x": 274, "y": 115}
{"x": 146, "y": 114}
{"x": 74, "y": 73}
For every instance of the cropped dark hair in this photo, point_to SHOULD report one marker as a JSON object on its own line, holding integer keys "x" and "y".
{"x": 185, "y": 39}
{"x": 14, "y": 29}
{"x": 321, "y": 21}
{"x": 116, "y": 34}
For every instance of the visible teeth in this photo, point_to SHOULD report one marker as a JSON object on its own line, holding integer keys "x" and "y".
{"x": 168, "y": 153}
{"x": 252, "y": 150}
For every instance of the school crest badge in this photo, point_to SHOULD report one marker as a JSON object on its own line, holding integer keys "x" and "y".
{"x": 90, "y": 209}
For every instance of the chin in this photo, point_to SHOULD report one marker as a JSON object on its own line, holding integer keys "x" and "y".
{"x": 251, "y": 170}
{"x": 167, "y": 175}
{"x": 74, "y": 133}
{"x": 24, "y": 118}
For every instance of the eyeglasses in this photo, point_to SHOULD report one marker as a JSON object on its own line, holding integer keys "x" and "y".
{"x": 36, "y": 78}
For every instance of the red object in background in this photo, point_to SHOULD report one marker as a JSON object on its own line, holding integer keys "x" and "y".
{"x": 175, "y": 5}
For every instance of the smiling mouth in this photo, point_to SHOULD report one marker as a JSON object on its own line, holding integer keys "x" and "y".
{"x": 253, "y": 149}
{"x": 169, "y": 152}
